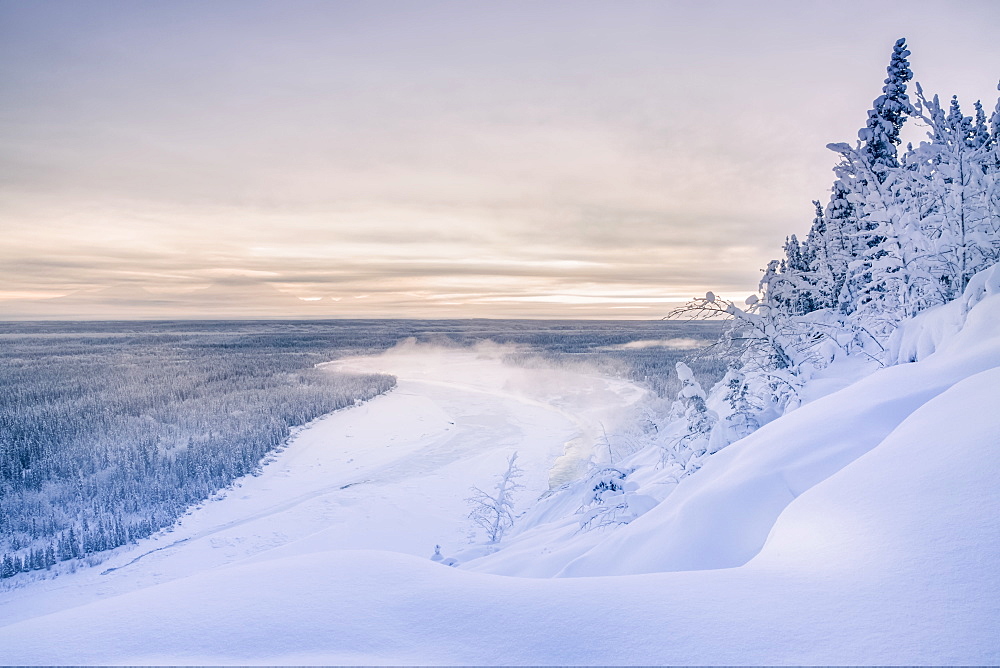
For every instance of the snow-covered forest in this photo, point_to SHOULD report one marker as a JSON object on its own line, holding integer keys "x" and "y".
{"x": 106, "y": 437}
{"x": 906, "y": 228}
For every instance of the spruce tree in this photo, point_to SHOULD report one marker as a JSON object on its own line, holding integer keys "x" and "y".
{"x": 887, "y": 115}
{"x": 878, "y": 281}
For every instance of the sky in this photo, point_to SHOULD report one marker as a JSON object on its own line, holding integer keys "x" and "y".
{"x": 433, "y": 159}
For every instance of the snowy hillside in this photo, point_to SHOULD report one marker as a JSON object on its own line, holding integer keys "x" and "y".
{"x": 861, "y": 528}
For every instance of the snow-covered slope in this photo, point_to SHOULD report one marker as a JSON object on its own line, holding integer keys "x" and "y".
{"x": 861, "y": 528}
{"x": 723, "y": 515}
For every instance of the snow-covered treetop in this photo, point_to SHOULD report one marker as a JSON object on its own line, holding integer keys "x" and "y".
{"x": 889, "y": 111}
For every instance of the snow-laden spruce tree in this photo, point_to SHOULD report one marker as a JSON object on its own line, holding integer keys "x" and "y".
{"x": 889, "y": 112}
{"x": 495, "y": 512}
{"x": 880, "y": 276}
{"x": 693, "y": 417}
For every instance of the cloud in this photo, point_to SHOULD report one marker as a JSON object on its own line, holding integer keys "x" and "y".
{"x": 516, "y": 157}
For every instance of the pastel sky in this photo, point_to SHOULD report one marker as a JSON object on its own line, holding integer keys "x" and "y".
{"x": 433, "y": 159}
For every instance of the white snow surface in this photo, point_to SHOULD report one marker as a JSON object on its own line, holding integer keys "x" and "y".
{"x": 862, "y": 528}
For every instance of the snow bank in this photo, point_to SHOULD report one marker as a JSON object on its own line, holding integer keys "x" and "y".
{"x": 918, "y": 337}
